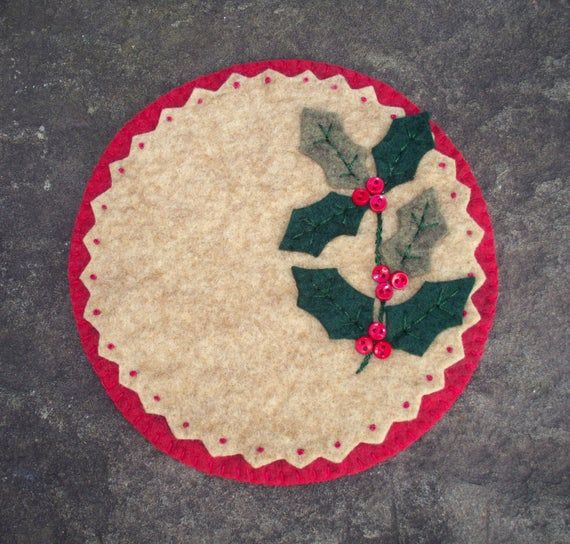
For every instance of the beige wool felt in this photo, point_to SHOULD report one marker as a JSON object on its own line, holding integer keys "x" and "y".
{"x": 196, "y": 296}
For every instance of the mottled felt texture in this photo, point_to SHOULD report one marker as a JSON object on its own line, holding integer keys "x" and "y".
{"x": 324, "y": 140}
{"x": 342, "y": 310}
{"x": 413, "y": 325}
{"x": 399, "y": 153}
{"x": 420, "y": 226}
{"x": 196, "y": 296}
{"x": 311, "y": 228}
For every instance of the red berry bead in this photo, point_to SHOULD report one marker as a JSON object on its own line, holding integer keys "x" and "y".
{"x": 382, "y": 349}
{"x": 381, "y": 273}
{"x": 384, "y": 291}
{"x": 377, "y": 331}
{"x": 364, "y": 345}
{"x": 375, "y": 185}
{"x": 360, "y": 196}
{"x": 378, "y": 203}
{"x": 399, "y": 280}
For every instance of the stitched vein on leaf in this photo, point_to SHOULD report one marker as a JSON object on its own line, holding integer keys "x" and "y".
{"x": 328, "y": 140}
{"x": 441, "y": 299}
{"x": 421, "y": 226}
{"x": 325, "y": 293}
{"x": 394, "y": 163}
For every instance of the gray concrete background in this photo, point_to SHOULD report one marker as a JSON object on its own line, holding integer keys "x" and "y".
{"x": 493, "y": 73}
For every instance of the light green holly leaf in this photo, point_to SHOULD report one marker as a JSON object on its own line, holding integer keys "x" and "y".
{"x": 323, "y": 139}
{"x": 421, "y": 226}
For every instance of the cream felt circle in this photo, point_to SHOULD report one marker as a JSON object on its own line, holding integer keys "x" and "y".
{"x": 192, "y": 284}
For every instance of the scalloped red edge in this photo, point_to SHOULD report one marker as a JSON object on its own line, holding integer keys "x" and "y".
{"x": 192, "y": 452}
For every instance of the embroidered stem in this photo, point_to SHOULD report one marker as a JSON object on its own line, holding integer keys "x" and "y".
{"x": 377, "y": 252}
{"x": 381, "y": 311}
{"x": 378, "y": 259}
{"x": 364, "y": 363}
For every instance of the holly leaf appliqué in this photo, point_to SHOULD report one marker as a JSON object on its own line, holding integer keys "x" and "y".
{"x": 413, "y": 325}
{"x": 397, "y": 156}
{"x": 421, "y": 225}
{"x": 311, "y": 228}
{"x": 342, "y": 310}
{"x": 323, "y": 139}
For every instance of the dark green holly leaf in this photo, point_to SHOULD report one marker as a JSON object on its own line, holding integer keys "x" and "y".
{"x": 342, "y": 310}
{"x": 311, "y": 228}
{"x": 323, "y": 139}
{"x": 413, "y": 325}
{"x": 421, "y": 225}
{"x": 397, "y": 156}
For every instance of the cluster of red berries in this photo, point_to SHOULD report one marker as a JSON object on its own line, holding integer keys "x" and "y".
{"x": 371, "y": 195}
{"x": 374, "y": 342}
{"x": 388, "y": 281}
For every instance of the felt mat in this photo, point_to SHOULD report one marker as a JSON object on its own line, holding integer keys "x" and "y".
{"x": 283, "y": 272}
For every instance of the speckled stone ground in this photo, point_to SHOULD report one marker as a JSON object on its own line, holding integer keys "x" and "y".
{"x": 494, "y": 73}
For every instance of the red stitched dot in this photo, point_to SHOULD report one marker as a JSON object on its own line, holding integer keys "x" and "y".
{"x": 464, "y": 313}
{"x": 260, "y": 449}
{"x": 200, "y": 100}
{"x": 454, "y": 195}
{"x": 469, "y": 233}
{"x": 133, "y": 373}
{"x": 372, "y": 426}
{"x": 96, "y": 241}
{"x": 110, "y": 346}
{"x": 141, "y": 145}
{"x": 96, "y": 311}
{"x": 103, "y": 206}
{"x": 300, "y": 451}
{"x": 185, "y": 424}
{"x": 429, "y": 377}
{"x": 156, "y": 398}
{"x": 237, "y": 84}
{"x": 393, "y": 116}
{"x": 305, "y": 80}
{"x": 363, "y": 99}
{"x": 223, "y": 440}
{"x": 406, "y": 404}
{"x": 93, "y": 277}
{"x": 334, "y": 87}
{"x": 169, "y": 118}
{"x": 337, "y": 444}
{"x": 449, "y": 349}
{"x": 267, "y": 79}
{"x": 121, "y": 170}
{"x": 442, "y": 165}
{"x": 471, "y": 275}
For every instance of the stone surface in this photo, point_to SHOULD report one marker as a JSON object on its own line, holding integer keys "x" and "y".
{"x": 494, "y": 74}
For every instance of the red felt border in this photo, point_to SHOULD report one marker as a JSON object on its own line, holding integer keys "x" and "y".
{"x": 193, "y": 452}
